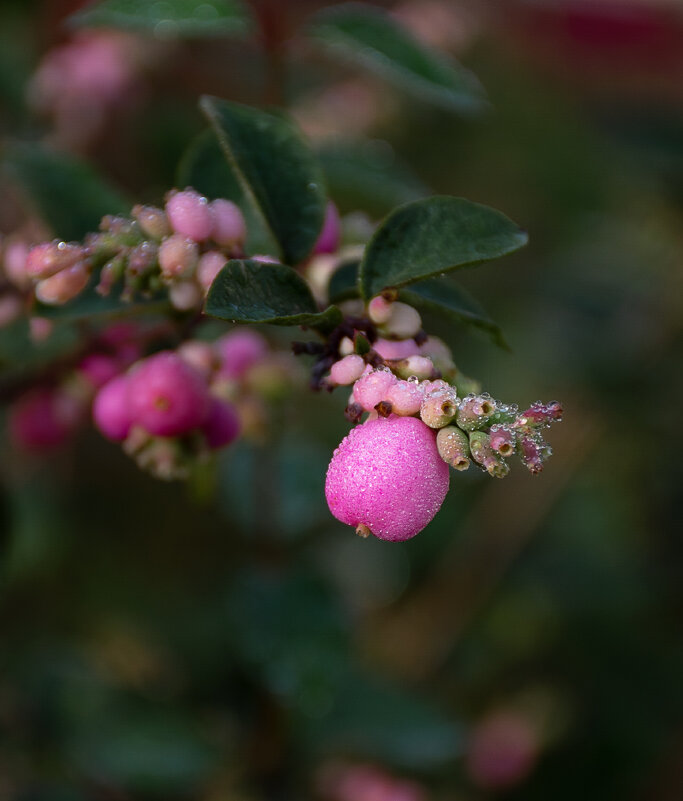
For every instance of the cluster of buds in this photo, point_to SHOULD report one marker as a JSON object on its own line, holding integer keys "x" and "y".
{"x": 172, "y": 409}
{"x": 360, "y": 782}
{"x": 384, "y": 478}
{"x": 181, "y": 247}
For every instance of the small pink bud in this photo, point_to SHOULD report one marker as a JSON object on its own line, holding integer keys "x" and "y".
{"x": 98, "y": 368}
{"x": 111, "y": 409}
{"x": 178, "y": 257}
{"x": 372, "y": 388}
{"x": 432, "y": 386}
{"x": 222, "y": 424}
{"x": 240, "y": 350}
{"x": 502, "y": 440}
{"x": 229, "y": 228}
{"x": 419, "y": 366}
{"x": 210, "y": 264}
{"x": 379, "y": 310}
{"x": 439, "y": 408}
{"x": 532, "y": 454}
{"x": 543, "y": 414}
{"x": 63, "y": 286}
{"x": 153, "y": 222}
{"x": 387, "y": 478}
{"x": 190, "y": 215}
{"x": 405, "y": 397}
{"x": 347, "y": 370}
{"x": 330, "y": 235}
{"x": 167, "y": 396}
{"x": 51, "y": 257}
{"x": 396, "y": 349}
{"x": 483, "y": 454}
{"x": 185, "y": 295}
{"x": 404, "y": 321}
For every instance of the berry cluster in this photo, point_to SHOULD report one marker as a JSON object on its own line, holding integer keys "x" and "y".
{"x": 389, "y": 476}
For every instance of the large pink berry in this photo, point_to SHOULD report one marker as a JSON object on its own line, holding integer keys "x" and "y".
{"x": 167, "y": 396}
{"x": 239, "y": 351}
{"x": 387, "y": 476}
{"x": 229, "y": 228}
{"x": 222, "y": 425}
{"x": 190, "y": 215}
{"x": 111, "y": 409}
{"x": 328, "y": 241}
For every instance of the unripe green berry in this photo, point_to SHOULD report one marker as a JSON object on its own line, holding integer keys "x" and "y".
{"x": 439, "y": 408}
{"x": 454, "y": 447}
{"x": 483, "y": 454}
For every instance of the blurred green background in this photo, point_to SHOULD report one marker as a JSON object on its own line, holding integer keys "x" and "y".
{"x": 157, "y": 642}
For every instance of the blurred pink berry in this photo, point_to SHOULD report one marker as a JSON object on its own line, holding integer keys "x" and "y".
{"x": 240, "y": 350}
{"x": 11, "y": 307}
{"x": 111, "y": 409}
{"x": 405, "y": 397}
{"x": 42, "y": 420}
{"x": 98, "y": 368}
{"x": 14, "y": 263}
{"x": 330, "y": 235}
{"x": 421, "y": 367}
{"x": 51, "y": 257}
{"x": 198, "y": 354}
{"x": 222, "y": 425}
{"x": 40, "y": 328}
{"x": 167, "y": 396}
{"x": 185, "y": 295}
{"x": 502, "y": 751}
{"x": 190, "y": 215}
{"x": 178, "y": 256}
{"x": 372, "y": 388}
{"x": 387, "y": 477}
{"x": 347, "y": 370}
{"x": 396, "y": 349}
{"x": 210, "y": 264}
{"x": 229, "y": 228}
{"x": 63, "y": 286}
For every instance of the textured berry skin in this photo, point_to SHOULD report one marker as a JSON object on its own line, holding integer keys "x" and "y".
{"x": 111, "y": 409}
{"x": 190, "y": 215}
{"x": 222, "y": 425}
{"x": 167, "y": 396}
{"x": 372, "y": 388}
{"x": 240, "y": 350}
{"x": 328, "y": 241}
{"x": 387, "y": 475}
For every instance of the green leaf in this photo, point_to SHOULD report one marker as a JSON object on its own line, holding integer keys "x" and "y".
{"x": 277, "y": 168}
{"x": 205, "y": 168}
{"x": 344, "y": 282}
{"x": 66, "y": 192}
{"x": 433, "y": 236}
{"x": 365, "y": 176}
{"x": 444, "y": 297}
{"x": 248, "y": 291}
{"x": 168, "y": 19}
{"x": 366, "y": 35}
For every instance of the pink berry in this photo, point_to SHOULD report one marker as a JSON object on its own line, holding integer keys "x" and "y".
{"x": 63, "y": 286}
{"x": 328, "y": 241}
{"x": 404, "y": 321}
{"x": 239, "y": 351}
{"x": 111, "y": 409}
{"x": 42, "y": 420}
{"x": 98, "y": 368}
{"x": 229, "y": 228}
{"x": 347, "y": 370}
{"x": 222, "y": 425}
{"x": 178, "y": 256}
{"x": 379, "y": 310}
{"x": 51, "y": 257}
{"x": 190, "y": 215}
{"x": 405, "y": 398}
{"x": 198, "y": 354}
{"x": 167, "y": 396}
{"x": 372, "y": 388}
{"x": 15, "y": 257}
{"x": 401, "y": 349}
{"x": 210, "y": 264}
{"x": 387, "y": 476}
{"x": 185, "y": 295}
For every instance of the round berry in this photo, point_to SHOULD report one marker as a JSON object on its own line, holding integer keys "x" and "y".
{"x": 210, "y": 264}
{"x": 111, "y": 409}
{"x": 222, "y": 424}
{"x": 178, "y": 256}
{"x": 372, "y": 388}
{"x": 391, "y": 349}
{"x": 347, "y": 370}
{"x": 62, "y": 286}
{"x": 190, "y": 215}
{"x": 239, "y": 351}
{"x": 387, "y": 476}
{"x": 229, "y": 228}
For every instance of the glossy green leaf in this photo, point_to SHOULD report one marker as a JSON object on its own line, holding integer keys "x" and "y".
{"x": 248, "y": 291}
{"x": 444, "y": 297}
{"x": 366, "y": 35}
{"x": 366, "y": 176}
{"x": 205, "y": 168}
{"x": 65, "y": 191}
{"x": 433, "y": 236}
{"x": 169, "y": 18}
{"x": 276, "y": 167}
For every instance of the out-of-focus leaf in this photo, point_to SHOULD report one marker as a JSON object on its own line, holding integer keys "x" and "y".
{"x": 344, "y": 282}
{"x": 445, "y": 297}
{"x": 248, "y": 291}
{"x": 65, "y": 191}
{"x": 277, "y": 168}
{"x": 168, "y": 18}
{"x": 20, "y": 355}
{"x": 366, "y": 35}
{"x": 434, "y": 236}
{"x": 365, "y": 176}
